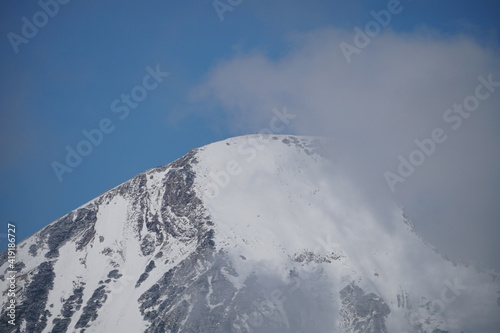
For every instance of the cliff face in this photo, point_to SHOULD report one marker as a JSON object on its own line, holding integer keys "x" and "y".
{"x": 250, "y": 234}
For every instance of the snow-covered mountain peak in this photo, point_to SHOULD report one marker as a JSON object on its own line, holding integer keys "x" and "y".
{"x": 250, "y": 234}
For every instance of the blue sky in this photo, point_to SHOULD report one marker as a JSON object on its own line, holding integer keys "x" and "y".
{"x": 64, "y": 79}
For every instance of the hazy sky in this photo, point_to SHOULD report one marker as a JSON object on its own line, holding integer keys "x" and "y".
{"x": 103, "y": 65}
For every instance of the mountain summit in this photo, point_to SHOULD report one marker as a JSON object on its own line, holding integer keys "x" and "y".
{"x": 250, "y": 234}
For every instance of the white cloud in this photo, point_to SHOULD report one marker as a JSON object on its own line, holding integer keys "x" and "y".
{"x": 394, "y": 91}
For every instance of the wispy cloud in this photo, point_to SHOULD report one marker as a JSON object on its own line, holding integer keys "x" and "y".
{"x": 374, "y": 109}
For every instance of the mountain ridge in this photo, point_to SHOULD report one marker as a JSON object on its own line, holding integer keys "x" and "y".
{"x": 195, "y": 246}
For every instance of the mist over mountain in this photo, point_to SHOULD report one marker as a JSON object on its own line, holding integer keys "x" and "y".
{"x": 257, "y": 233}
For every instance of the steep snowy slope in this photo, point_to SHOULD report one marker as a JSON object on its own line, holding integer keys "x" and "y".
{"x": 251, "y": 234}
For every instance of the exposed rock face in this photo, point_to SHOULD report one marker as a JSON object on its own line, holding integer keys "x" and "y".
{"x": 364, "y": 313}
{"x": 179, "y": 219}
{"x": 33, "y": 309}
